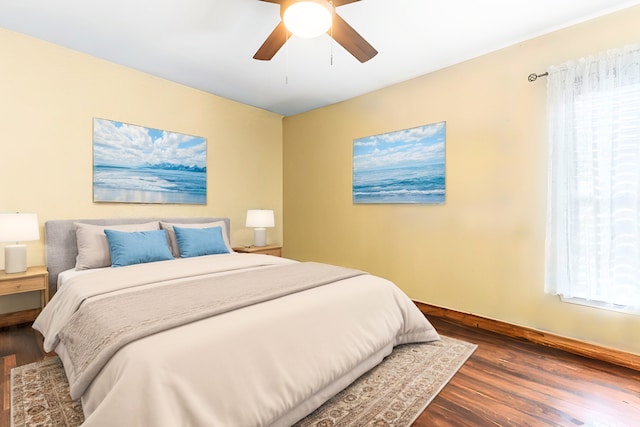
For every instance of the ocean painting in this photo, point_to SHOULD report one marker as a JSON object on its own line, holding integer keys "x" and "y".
{"x": 406, "y": 166}
{"x": 135, "y": 164}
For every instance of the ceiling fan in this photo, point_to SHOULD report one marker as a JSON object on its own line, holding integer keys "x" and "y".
{"x": 339, "y": 30}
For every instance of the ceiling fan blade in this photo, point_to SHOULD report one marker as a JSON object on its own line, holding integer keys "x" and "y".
{"x": 337, "y": 3}
{"x": 349, "y": 39}
{"x": 273, "y": 43}
{"x": 278, "y": 1}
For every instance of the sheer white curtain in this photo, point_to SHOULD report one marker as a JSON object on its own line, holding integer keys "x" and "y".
{"x": 593, "y": 202}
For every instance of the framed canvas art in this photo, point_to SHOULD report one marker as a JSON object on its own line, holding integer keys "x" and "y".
{"x": 135, "y": 164}
{"x": 405, "y": 166}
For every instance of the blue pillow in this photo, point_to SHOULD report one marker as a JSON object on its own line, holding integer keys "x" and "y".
{"x": 200, "y": 241}
{"x": 137, "y": 247}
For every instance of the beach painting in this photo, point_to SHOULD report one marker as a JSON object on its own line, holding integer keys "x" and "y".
{"x": 135, "y": 164}
{"x": 406, "y": 166}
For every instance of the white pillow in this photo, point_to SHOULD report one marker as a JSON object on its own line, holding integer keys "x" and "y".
{"x": 93, "y": 247}
{"x": 171, "y": 235}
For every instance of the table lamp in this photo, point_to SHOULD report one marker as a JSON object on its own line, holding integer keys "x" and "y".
{"x": 259, "y": 220}
{"x": 17, "y": 227}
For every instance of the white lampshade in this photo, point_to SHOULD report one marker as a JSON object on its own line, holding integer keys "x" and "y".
{"x": 17, "y": 227}
{"x": 259, "y": 220}
{"x": 308, "y": 18}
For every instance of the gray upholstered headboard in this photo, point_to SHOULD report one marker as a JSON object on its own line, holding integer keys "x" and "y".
{"x": 60, "y": 240}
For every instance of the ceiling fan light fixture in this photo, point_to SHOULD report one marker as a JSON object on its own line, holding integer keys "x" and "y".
{"x": 308, "y": 18}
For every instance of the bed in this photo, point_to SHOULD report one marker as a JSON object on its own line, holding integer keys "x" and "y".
{"x": 212, "y": 337}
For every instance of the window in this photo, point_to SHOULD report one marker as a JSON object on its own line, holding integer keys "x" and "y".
{"x": 593, "y": 202}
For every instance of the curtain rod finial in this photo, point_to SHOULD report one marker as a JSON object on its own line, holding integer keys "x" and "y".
{"x": 533, "y": 76}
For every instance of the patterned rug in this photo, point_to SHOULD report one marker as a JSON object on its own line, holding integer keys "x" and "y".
{"x": 392, "y": 394}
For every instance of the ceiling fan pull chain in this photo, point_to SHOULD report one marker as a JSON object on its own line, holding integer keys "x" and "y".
{"x": 331, "y": 41}
{"x": 331, "y": 54}
{"x": 286, "y": 61}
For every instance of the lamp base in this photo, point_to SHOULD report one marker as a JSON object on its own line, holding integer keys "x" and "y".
{"x": 260, "y": 237}
{"x": 15, "y": 258}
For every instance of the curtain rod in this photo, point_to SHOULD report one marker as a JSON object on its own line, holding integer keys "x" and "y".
{"x": 533, "y": 76}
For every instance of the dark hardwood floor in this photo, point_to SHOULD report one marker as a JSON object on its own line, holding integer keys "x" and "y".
{"x": 506, "y": 382}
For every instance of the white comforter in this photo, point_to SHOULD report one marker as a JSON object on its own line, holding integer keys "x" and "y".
{"x": 267, "y": 364}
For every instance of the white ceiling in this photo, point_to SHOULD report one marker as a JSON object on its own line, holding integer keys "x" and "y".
{"x": 209, "y": 44}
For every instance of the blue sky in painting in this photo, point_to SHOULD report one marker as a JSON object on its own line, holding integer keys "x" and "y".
{"x": 422, "y": 145}
{"x": 125, "y": 145}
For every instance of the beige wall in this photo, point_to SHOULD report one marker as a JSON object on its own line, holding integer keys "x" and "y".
{"x": 481, "y": 252}
{"x": 49, "y": 96}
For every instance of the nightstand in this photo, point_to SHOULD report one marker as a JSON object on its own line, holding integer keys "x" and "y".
{"x": 274, "y": 250}
{"x": 34, "y": 279}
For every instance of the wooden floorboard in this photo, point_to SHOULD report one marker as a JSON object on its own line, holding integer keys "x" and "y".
{"x": 19, "y": 345}
{"x": 8, "y": 363}
{"x": 506, "y": 382}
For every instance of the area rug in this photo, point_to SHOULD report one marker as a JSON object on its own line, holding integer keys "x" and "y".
{"x": 392, "y": 394}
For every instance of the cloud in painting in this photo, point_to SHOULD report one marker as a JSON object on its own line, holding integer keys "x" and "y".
{"x": 421, "y": 145}
{"x": 125, "y": 145}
